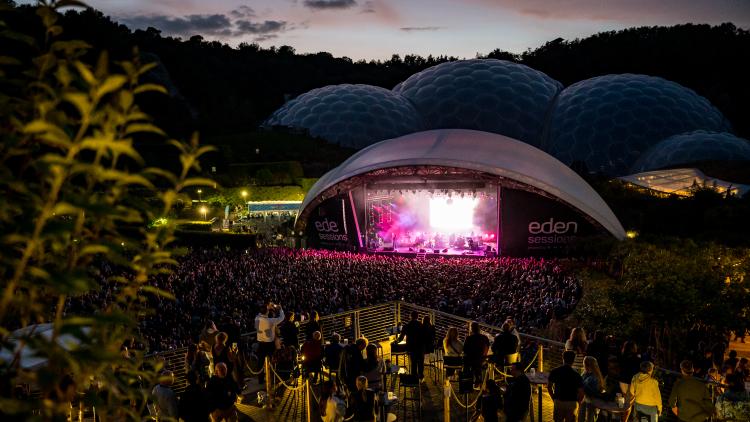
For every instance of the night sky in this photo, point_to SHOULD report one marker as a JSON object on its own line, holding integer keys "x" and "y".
{"x": 375, "y": 29}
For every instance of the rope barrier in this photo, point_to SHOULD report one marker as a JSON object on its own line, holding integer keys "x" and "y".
{"x": 536, "y": 355}
{"x": 472, "y": 404}
{"x": 297, "y": 388}
{"x": 249, "y": 368}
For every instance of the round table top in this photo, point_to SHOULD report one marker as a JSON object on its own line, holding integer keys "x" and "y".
{"x": 609, "y": 406}
{"x": 538, "y": 377}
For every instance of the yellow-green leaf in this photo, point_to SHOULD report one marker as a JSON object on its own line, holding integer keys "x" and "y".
{"x": 80, "y": 101}
{"x": 85, "y": 73}
{"x": 150, "y": 87}
{"x": 64, "y": 208}
{"x": 143, "y": 127}
{"x": 112, "y": 83}
{"x": 93, "y": 249}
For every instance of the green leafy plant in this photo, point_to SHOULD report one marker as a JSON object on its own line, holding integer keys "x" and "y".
{"x": 76, "y": 194}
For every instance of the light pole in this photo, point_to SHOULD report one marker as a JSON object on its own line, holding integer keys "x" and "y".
{"x": 199, "y": 195}
{"x": 204, "y": 211}
{"x": 244, "y": 195}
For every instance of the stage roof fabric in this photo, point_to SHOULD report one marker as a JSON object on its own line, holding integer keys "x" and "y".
{"x": 480, "y": 151}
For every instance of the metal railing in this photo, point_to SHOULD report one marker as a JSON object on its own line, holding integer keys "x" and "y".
{"x": 377, "y": 322}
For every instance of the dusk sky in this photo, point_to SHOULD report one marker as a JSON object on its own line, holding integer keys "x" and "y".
{"x": 375, "y": 29}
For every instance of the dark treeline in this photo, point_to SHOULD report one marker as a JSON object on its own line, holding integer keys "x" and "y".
{"x": 230, "y": 90}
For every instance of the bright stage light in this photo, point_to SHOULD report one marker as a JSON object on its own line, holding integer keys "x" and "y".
{"x": 456, "y": 215}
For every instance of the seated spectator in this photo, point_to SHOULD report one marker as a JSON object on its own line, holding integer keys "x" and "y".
{"x": 505, "y": 346}
{"x": 490, "y": 402}
{"x": 193, "y": 405}
{"x": 312, "y": 354}
{"x": 222, "y": 393}
{"x": 476, "y": 347}
{"x": 363, "y": 402}
{"x": 374, "y": 368}
{"x": 644, "y": 392}
{"x": 734, "y": 404}
{"x": 611, "y": 381}
{"x": 332, "y": 407}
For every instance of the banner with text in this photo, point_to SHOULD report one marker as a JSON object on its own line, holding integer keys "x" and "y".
{"x": 331, "y": 225}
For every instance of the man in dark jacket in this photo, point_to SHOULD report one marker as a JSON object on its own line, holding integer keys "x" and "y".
{"x": 505, "y": 346}
{"x": 354, "y": 363}
{"x": 517, "y": 395}
{"x": 333, "y": 353}
{"x": 193, "y": 406}
{"x": 413, "y": 331}
{"x": 690, "y": 400}
{"x": 476, "y": 347}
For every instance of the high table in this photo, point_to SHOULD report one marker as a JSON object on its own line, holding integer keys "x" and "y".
{"x": 539, "y": 379}
{"x": 612, "y": 408}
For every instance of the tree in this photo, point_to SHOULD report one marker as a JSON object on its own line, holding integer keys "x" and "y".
{"x": 77, "y": 195}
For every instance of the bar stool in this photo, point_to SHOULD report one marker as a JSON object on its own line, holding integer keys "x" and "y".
{"x": 410, "y": 393}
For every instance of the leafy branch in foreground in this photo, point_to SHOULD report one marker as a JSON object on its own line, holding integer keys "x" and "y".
{"x": 75, "y": 192}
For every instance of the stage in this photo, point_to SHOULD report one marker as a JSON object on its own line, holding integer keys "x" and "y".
{"x": 449, "y": 253}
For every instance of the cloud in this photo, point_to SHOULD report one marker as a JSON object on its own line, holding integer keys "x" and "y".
{"x": 330, "y": 4}
{"x": 243, "y": 11}
{"x": 420, "y": 28}
{"x": 265, "y": 27}
{"x": 216, "y": 25}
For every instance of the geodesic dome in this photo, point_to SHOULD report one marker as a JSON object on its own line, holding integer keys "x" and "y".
{"x": 349, "y": 115}
{"x": 483, "y": 94}
{"x": 607, "y": 122}
{"x": 693, "y": 147}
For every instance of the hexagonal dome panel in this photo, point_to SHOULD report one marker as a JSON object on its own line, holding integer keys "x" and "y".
{"x": 693, "y": 147}
{"x": 349, "y": 115}
{"x": 608, "y": 121}
{"x": 483, "y": 94}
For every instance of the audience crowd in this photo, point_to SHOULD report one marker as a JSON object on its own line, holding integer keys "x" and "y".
{"x": 228, "y": 286}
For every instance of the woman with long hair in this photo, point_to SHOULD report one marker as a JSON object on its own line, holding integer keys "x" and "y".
{"x": 577, "y": 341}
{"x": 452, "y": 346}
{"x": 593, "y": 386}
{"x": 374, "y": 367}
{"x": 332, "y": 407}
{"x": 314, "y": 325}
{"x": 363, "y": 402}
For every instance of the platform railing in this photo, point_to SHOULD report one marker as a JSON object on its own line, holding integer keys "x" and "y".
{"x": 376, "y": 323}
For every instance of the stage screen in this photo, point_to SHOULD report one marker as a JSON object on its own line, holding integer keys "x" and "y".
{"x": 451, "y": 221}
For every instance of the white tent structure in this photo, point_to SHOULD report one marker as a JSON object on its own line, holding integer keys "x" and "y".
{"x": 29, "y": 358}
{"x": 682, "y": 182}
{"x": 486, "y": 152}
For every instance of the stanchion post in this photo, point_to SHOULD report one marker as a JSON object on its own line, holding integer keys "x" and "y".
{"x": 540, "y": 358}
{"x": 269, "y": 387}
{"x": 446, "y": 400}
{"x": 541, "y": 397}
{"x": 307, "y": 399}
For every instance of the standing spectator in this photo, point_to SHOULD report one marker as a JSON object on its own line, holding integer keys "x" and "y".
{"x": 644, "y": 392}
{"x": 629, "y": 364}
{"x": 363, "y": 402}
{"x": 414, "y": 345}
{"x": 517, "y": 395}
{"x": 732, "y": 360}
{"x": 333, "y": 353}
{"x": 234, "y": 333}
{"x": 204, "y": 362}
{"x": 577, "y": 341}
{"x": 742, "y": 368}
{"x": 312, "y": 353}
{"x": 476, "y": 347}
{"x": 265, "y": 326}
{"x": 428, "y": 331}
{"x": 222, "y": 393}
{"x": 566, "y": 388}
{"x": 193, "y": 406}
{"x": 597, "y": 348}
{"x": 593, "y": 387}
{"x": 505, "y": 346}
{"x": 313, "y": 325}
{"x": 222, "y": 353}
{"x": 166, "y": 399}
{"x": 690, "y": 400}
{"x": 332, "y": 407}
{"x": 289, "y": 331}
{"x": 354, "y": 363}
{"x": 209, "y": 332}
